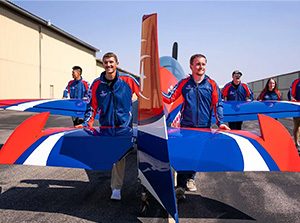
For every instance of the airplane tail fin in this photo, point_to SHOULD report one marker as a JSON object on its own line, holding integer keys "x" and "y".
{"x": 154, "y": 165}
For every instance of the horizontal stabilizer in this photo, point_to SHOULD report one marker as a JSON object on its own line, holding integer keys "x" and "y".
{"x": 96, "y": 149}
{"x": 206, "y": 150}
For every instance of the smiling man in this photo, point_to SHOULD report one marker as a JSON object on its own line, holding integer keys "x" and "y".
{"x": 201, "y": 97}
{"x": 111, "y": 97}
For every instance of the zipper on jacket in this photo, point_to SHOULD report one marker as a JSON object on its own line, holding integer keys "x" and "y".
{"x": 114, "y": 108}
{"x": 198, "y": 95}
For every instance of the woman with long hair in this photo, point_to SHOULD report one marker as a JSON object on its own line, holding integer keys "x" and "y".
{"x": 270, "y": 92}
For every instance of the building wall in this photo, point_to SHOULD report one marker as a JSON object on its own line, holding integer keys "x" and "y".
{"x": 59, "y": 55}
{"x": 99, "y": 68}
{"x": 19, "y": 58}
{"x": 37, "y": 62}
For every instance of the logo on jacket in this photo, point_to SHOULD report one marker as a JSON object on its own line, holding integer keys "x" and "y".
{"x": 103, "y": 94}
{"x": 188, "y": 87}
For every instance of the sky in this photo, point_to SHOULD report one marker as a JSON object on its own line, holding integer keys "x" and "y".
{"x": 259, "y": 38}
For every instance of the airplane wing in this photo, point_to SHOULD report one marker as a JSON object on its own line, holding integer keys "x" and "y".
{"x": 66, "y": 107}
{"x": 245, "y": 111}
{"x": 94, "y": 149}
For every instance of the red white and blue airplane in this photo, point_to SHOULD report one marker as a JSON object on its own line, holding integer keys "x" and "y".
{"x": 160, "y": 148}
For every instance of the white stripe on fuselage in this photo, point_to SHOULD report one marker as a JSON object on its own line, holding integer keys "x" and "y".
{"x": 26, "y": 105}
{"x": 253, "y": 161}
{"x": 40, "y": 155}
{"x": 157, "y": 128}
{"x": 291, "y": 102}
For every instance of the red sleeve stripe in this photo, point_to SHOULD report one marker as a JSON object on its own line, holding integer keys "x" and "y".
{"x": 294, "y": 87}
{"x": 226, "y": 89}
{"x": 86, "y": 85}
{"x": 176, "y": 91}
{"x": 94, "y": 102}
{"x": 214, "y": 98}
{"x": 69, "y": 85}
{"x": 132, "y": 83}
{"x": 261, "y": 95}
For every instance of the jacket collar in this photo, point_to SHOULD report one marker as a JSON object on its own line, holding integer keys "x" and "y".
{"x": 104, "y": 80}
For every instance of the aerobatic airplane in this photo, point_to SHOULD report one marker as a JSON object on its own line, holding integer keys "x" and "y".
{"x": 160, "y": 148}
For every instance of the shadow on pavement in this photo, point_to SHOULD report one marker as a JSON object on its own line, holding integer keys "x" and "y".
{"x": 196, "y": 206}
{"x": 89, "y": 200}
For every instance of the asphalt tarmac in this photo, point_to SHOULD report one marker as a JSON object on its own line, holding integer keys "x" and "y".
{"x": 48, "y": 194}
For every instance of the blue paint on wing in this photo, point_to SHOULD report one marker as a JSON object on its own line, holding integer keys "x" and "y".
{"x": 97, "y": 149}
{"x": 203, "y": 151}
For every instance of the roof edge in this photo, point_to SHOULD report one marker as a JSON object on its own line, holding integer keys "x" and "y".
{"x": 39, "y": 20}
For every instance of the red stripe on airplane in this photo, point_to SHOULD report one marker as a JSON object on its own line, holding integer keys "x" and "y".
{"x": 22, "y": 138}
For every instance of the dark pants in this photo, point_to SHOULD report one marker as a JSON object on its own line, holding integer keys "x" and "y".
{"x": 77, "y": 121}
{"x": 235, "y": 125}
{"x": 183, "y": 177}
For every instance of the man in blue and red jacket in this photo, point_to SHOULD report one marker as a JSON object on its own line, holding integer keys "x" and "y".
{"x": 77, "y": 89}
{"x": 111, "y": 97}
{"x": 201, "y": 97}
{"x": 294, "y": 95}
{"x": 294, "y": 91}
{"x": 236, "y": 91}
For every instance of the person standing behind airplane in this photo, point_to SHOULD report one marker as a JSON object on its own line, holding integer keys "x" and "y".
{"x": 294, "y": 95}
{"x": 270, "y": 92}
{"x": 111, "y": 97}
{"x": 77, "y": 89}
{"x": 236, "y": 91}
{"x": 201, "y": 97}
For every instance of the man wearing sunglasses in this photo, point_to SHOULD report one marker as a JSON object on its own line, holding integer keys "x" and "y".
{"x": 236, "y": 91}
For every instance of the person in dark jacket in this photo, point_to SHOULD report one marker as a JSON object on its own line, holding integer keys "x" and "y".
{"x": 236, "y": 91}
{"x": 201, "y": 97}
{"x": 77, "y": 89}
{"x": 270, "y": 92}
{"x": 111, "y": 97}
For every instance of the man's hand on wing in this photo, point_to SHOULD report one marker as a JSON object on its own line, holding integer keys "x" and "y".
{"x": 224, "y": 127}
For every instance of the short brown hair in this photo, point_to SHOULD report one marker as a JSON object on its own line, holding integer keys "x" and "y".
{"x": 195, "y": 56}
{"x": 110, "y": 54}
